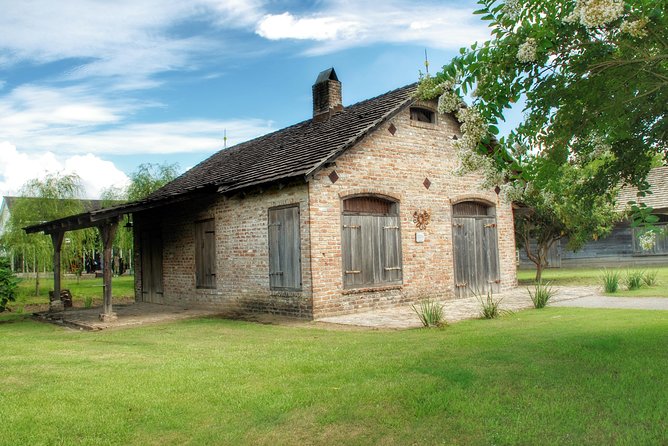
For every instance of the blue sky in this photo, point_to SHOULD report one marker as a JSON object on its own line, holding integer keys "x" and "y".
{"x": 98, "y": 88}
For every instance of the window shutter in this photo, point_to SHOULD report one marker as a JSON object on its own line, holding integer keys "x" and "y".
{"x": 205, "y": 254}
{"x": 392, "y": 270}
{"x": 351, "y": 251}
{"x": 284, "y": 248}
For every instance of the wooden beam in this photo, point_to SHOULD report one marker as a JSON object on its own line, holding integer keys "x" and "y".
{"x": 107, "y": 232}
{"x": 56, "y": 304}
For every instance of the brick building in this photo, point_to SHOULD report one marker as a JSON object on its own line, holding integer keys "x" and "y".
{"x": 356, "y": 208}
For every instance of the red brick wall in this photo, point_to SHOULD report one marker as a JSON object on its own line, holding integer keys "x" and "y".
{"x": 396, "y": 166}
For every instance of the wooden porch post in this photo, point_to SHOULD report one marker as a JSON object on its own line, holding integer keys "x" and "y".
{"x": 107, "y": 231}
{"x": 56, "y": 304}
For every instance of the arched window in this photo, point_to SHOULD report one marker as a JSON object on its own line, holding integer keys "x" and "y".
{"x": 472, "y": 209}
{"x": 370, "y": 242}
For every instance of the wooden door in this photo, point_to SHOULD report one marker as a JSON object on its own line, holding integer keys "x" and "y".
{"x": 151, "y": 267}
{"x": 476, "y": 257}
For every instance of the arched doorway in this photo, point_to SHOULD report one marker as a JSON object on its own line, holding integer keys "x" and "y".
{"x": 475, "y": 247}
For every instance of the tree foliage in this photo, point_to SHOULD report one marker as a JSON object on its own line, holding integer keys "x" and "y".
{"x": 150, "y": 177}
{"x": 8, "y": 284}
{"x": 593, "y": 75}
{"x": 55, "y": 196}
{"x": 551, "y": 208}
{"x": 593, "y": 78}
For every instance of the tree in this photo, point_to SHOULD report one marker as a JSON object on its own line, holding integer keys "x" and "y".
{"x": 594, "y": 78}
{"x": 8, "y": 284}
{"x": 54, "y": 197}
{"x": 551, "y": 208}
{"x": 145, "y": 180}
{"x": 150, "y": 177}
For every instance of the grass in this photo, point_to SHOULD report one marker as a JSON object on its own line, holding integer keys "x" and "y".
{"x": 122, "y": 286}
{"x": 555, "y": 376}
{"x": 592, "y": 276}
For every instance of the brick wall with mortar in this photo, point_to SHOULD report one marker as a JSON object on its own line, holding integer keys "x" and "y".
{"x": 242, "y": 256}
{"x": 393, "y": 165}
{"x": 396, "y": 165}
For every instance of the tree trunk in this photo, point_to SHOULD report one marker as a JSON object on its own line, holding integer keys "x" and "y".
{"x": 36, "y": 277}
{"x": 539, "y": 272}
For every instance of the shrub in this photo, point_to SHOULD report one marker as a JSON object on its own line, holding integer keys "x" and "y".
{"x": 543, "y": 292}
{"x": 430, "y": 313}
{"x": 610, "y": 281}
{"x": 650, "y": 278}
{"x": 88, "y": 301}
{"x": 490, "y": 306}
{"x": 634, "y": 279}
{"x": 8, "y": 284}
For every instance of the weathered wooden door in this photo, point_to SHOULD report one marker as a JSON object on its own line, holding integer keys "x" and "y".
{"x": 151, "y": 267}
{"x": 475, "y": 246}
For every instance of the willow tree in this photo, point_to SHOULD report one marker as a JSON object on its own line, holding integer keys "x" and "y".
{"x": 54, "y": 196}
{"x": 150, "y": 177}
{"x": 146, "y": 179}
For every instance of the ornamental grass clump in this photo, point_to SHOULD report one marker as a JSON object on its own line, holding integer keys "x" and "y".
{"x": 543, "y": 292}
{"x": 650, "y": 278}
{"x": 430, "y": 313}
{"x": 634, "y": 279}
{"x": 490, "y": 307}
{"x": 610, "y": 281}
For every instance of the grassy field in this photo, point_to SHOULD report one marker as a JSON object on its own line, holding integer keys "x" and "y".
{"x": 121, "y": 287}
{"x": 592, "y": 276}
{"x": 553, "y": 376}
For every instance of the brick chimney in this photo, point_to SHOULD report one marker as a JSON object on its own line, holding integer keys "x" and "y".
{"x": 326, "y": 95}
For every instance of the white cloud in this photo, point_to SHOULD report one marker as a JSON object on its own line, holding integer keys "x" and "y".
{"x": 29, "y": 111}
{"x": 157, "y": 138}
{"x": 17, "y": 168}
{"x": 345, "y": 23}
{"x": 286, "y": 26}
{"x": 125, "y": 38}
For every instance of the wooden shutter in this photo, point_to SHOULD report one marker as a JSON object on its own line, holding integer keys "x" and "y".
{"x": 392, "y": 269}
{"x": 371, "y": 250}
{"x": 284, "y": 248}
{"x": 351, "y": 251}
{"x": 205, "y": 254}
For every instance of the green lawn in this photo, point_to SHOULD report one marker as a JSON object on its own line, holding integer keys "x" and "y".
{"x": 121, "y": 287}
{"x": 592, "y": 276}
{"x": 553, "y": 376}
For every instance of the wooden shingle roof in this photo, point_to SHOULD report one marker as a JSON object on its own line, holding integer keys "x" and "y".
{"x": 658, "y": 199}
{"x": 292, "y": 152}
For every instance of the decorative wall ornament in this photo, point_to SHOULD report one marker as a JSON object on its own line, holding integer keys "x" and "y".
{"x": 333, "y": 176}
{"x": 422, "y": 219}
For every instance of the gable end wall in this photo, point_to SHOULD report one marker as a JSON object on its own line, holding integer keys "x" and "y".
{"x": 396, "y": 166}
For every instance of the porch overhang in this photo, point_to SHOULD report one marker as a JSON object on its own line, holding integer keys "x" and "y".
{"x": 106, "y": 221}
